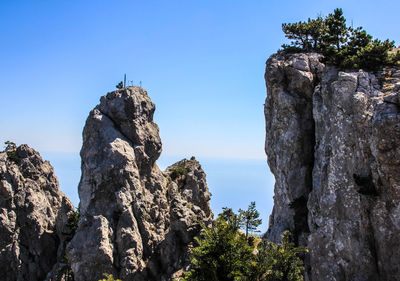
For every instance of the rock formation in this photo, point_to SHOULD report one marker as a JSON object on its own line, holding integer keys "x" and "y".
{"x": 136, "y": 221}
{"x": 34, "y": 217}
{"x": 332, "y": 144}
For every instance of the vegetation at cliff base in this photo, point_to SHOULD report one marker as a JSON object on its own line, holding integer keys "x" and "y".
{"x": 109, "y": 277}
{"x": 343, "y": 46}
{"x": 224, "y": 253}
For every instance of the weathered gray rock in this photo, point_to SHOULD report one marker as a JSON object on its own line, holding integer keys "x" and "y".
{"x": 332, "y": 144}
{"x": 290, "y": 139}
{"x": 33, "y": 215}
{"x": 137, "y": 221}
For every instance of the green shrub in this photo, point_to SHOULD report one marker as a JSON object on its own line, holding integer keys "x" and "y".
{"x": 73, "y": 220}
{"x": 342, "y": 46}
{"x": 177, "y": 172}
{"x": 13, "y": 156}
{"x": 394, "y": 58}
{"x": 278, "y": 262}
{"x": 225, "y": 254}
{"x": 222, "y": 252}
{"x": 109, "y": 277}
{"x": 11, "y": 150}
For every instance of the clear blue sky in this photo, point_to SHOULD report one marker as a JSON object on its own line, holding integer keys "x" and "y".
{"x": 202, "y": 63}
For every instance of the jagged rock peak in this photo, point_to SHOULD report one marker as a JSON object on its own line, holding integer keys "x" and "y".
{"x": 137, "y": 221}
{"x": 332, "y": 143}
{"x": 34, "y": 216}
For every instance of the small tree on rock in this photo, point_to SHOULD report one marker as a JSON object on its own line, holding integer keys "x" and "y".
{"x": 342, "y": 46}
{"x": 336, "y": 30}
{"x": 250, "y": 219}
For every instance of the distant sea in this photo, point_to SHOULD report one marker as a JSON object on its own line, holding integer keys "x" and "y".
{"x": 234, "y": 183}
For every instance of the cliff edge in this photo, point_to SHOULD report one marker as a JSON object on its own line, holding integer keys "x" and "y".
{"x": 332, "y": 144}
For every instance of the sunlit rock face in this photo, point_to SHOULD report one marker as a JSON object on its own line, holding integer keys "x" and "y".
{"x": 33, "y": 217}
{"x": 137, "y": 221}
{"x": 332, "y": 141}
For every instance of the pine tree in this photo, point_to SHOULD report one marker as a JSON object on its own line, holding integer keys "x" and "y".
{"x": 316, "y": 27}
{"x": 375, "y": 54}
{"x": 298, "y": 33}
{"x": 342, "y": 46}
{"x": 249, "y": 219}
{"x": 336, "y": 30}
{"x": 358, "y": 39}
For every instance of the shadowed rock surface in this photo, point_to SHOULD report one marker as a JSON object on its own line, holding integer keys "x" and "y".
{"x": 33, "y": 217}
{"x": 332, "y": 144}
{"x": 137, "y": 221}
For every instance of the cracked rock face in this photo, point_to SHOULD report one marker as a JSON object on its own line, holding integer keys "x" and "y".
{"x": 290, "y": 139}
{"x": 136, "y": 221}
{"x": 33, "y": 214}
{"x": 332, "y": 144}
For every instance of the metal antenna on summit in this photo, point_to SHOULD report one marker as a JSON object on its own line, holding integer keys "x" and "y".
{"x": 125, "y": 80}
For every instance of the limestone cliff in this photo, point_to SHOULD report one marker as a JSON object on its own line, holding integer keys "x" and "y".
{"x": 137, "y": 221}
{"x": 33, "y": 217}
{"x": 332, "y": 143}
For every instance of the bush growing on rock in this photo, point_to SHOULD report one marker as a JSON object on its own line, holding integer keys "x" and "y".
{"x": 278, "y": 262}
{"x": 177, "y": 172}
{"x": 222, "y": 253}
{"x": 11, "y": 150}
{"x": 225, "y": 253}
{"x": 342, "y": 46}
{"x": 109, "y": 277}
{"x": 73, "y": 220}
